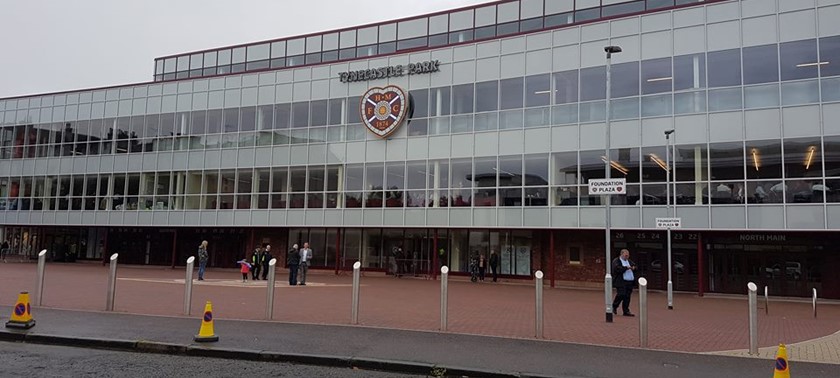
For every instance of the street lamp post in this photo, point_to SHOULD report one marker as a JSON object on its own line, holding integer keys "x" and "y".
{"x": 670, "y": 212}
{"x": 607, "y": 261}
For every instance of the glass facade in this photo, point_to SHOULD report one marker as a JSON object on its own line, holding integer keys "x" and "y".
{"x": 494, "y": 158}
{"x": 459, "y": 26}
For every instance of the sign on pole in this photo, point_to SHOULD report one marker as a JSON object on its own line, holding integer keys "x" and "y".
{"x": 665, "y": 223}
{"x": 607, "y": 186}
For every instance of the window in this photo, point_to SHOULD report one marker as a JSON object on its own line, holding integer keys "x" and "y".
{"x": 726, "y": 161}
{"x": 462, "y": 99}
{"x": 625, "y": 79}
{"x": 830, "y": 56}
{"x": 689, "y": 72}
{"x": 656, "y": 76}
{"x": 724, "y": 68}
{"x": 419, "y": 103}
{"x": 486, "y": 96}
{"x": 593, "y": 83}
{"x": 300, "y": 114}
{"x": 537, "y": 90}
{"x": 566, "y": 87}
{"x": 799, "y": 60}
{"x": 510, "y": 93}
{"x": 763, "y": 160}
{"x": 803, "y": 158}
{"x": 574, "y": 256}
{"x": 760, "y": 64}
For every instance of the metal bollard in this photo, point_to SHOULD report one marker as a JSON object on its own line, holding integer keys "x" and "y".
{"x": 753, "y": 303}
{"x": 112, "y": 284}
{"x": 269, "y": 293}
{"x": 444, "y": 297}
{"x": 814, "y": 302}
{"x": 188, "y": 285}
{"x": 42, "y": 262}
{"x": 538, "y": 287}
{"x": 355, "y": 306}
{"x": 643, "y": 315}
{"x": 766, "y": 301}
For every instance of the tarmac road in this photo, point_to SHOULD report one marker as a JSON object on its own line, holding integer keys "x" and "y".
{"x": 33, "y": 360}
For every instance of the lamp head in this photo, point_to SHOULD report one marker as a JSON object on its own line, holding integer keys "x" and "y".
{"x": 612, "y": 50}
{"x": 669, "y": 132}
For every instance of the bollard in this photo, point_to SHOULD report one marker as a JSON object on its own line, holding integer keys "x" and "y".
{"x": 444, "y": 297}
{"x": 766, "y": 302}
{"x": 643, "y": 315}
{"x": 753, "y": 303}
{"x": 42, "y": 262}
{"x": 112, "y": 284}
{"x": 269, "y": 293}
{"x": 355, "y": 306}
{"x": 538, "y": 286}
{"x": 188, "y": 285}
{"x": 814, "y": 302}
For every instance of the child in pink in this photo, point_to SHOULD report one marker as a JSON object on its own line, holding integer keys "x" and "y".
{"x": 245, "y": 268}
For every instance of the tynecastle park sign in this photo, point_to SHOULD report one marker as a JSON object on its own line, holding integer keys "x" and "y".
{"x": 390, "y": 71}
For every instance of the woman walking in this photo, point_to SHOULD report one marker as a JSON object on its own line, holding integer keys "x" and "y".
{"x": 203, "y": 256}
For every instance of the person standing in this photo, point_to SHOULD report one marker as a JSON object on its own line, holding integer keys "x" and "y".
{"x": 244, "y": 268}
{"x": 293, "y": 259}
{"x": 266, "y": 258}
{"x": 256, "y": 263}
{"x": 4, "y": 249}
{"x": 623, "y": 281}
{"x": 494, "y": 264}
{"x": 482, "y": 267}
{"x": 203, "y": 256}
{"x": 305, "y": 256}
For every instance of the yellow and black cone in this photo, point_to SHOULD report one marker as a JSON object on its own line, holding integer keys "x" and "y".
{"x": 782, "y": 369}
{"x": 206, "y": 333}
{"x": 21, "y": 313}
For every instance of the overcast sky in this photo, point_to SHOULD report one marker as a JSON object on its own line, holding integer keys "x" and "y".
{"x": 59, "y": 45}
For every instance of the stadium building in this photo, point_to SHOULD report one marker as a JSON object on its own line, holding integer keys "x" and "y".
{"x": 470, "y": 131}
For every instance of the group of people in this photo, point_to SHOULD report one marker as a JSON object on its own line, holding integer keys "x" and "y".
{"x": 478, "y": 266}
{"x": 259, "y": 263}
{"x": 298, "y": 260}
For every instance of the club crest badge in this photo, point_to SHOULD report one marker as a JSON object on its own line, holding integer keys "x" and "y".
{"x": 384, "y": 109}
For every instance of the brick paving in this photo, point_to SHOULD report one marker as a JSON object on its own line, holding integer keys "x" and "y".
{"x": 505, "y": 309}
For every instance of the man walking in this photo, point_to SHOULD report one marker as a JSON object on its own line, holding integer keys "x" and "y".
{"x": 266, "y": 258}
{"x": 623, "y": 281}
{"x": 305, "y": 256}
{"x": 293, "y": 259}
{"x": 256, "y": 263}
{"x": 494, "y": 264}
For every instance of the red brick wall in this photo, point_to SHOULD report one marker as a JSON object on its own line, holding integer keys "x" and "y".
{"x": 590, "y": 271}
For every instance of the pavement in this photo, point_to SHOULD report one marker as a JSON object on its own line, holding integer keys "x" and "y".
{"x": 392, "y": 311}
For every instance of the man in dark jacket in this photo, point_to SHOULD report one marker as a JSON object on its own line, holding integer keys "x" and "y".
{"x": 293, "y": 259}
{"x": 623, "y": 281}
{"x": 266, "y": 258}
{"x": 256, "y": 263}
{"x": 494, "y": 264}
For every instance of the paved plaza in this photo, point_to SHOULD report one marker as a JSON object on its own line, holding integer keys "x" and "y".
{"x": 716, "y": 324}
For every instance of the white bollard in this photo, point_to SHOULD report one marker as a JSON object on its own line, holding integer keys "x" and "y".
{"x": 753, "y": 303}
{"x": 112, "y": 284}
{"x": 643, "y": 315}
{"x": 444, "y": 297}
{"x": 355, "y": 305}
{"x": 538, "y": 287}
{"x": 269, "y": 292}
{"x": 814, "y": 302}
{"x": 42, "y": 262}
{"x": 188, "y": 285}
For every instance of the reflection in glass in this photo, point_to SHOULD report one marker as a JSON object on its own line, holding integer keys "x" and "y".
{"x": 763, "y": 159}
{"x": 803, "y": 158}
{"x": 761, "y": 96}
{"x": 799, "y": 60}
{"x": 765, "y": 191}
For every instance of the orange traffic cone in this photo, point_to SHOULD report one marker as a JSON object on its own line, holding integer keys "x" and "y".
{"x": 22, "y": 313}
{"x": 206, "y": 333}
{"x": 782, "y": 369}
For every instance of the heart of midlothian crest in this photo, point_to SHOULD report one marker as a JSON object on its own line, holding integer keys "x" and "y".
{"x": 384, "y": 109}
